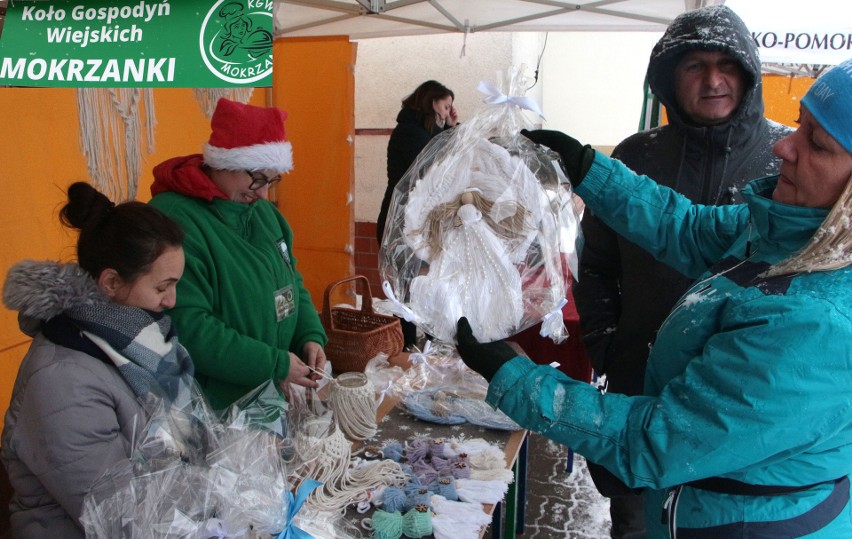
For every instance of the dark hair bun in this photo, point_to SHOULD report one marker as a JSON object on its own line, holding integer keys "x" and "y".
{"x": 86, "y": 207}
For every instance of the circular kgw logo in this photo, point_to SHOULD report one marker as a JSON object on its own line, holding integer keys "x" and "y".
{"x": 235, "y": 43}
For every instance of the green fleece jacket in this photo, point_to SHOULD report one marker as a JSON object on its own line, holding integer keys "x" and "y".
{"x": 241, "y": 304}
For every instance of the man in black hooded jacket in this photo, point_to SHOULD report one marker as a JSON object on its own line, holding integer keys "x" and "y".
{"x": 706, "y": 71}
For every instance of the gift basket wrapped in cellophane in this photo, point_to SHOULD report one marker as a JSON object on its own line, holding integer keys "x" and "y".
{"x": 194, "y": 473}
{"x": 483, "y": 225}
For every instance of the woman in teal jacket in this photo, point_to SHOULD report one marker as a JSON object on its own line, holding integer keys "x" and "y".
{"x": 745, "y": 428}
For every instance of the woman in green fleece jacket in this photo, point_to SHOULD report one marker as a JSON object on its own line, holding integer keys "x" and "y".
{"x": 242, "y": 309}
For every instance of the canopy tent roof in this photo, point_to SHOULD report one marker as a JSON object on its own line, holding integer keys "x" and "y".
{"x": 382, "y": 18}
{"x": 792, "y": 37}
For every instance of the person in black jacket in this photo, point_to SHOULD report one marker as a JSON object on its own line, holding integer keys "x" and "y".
{"x": 706, "y": 71}
{"x": 429, "y": 110}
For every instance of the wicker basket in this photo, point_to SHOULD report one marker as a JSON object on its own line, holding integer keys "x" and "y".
{"x": 357, "y": 336}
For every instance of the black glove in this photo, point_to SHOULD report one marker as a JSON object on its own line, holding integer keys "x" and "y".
{"x": 576, "y": 158}
{"x": 484, "y": 358}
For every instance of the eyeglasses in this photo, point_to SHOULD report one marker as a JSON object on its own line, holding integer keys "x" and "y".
{"x": 259, "y": 180}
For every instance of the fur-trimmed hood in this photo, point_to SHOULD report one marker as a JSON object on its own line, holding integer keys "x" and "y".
{"x": 40, "y": 290}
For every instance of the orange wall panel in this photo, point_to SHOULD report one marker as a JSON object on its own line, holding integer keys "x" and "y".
{"x": 40, "y": 156}
{"x": 313, "y": 81}
{"x": 781, "y": 96}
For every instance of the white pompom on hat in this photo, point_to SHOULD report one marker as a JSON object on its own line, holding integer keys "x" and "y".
{"x": 246, "y": 137}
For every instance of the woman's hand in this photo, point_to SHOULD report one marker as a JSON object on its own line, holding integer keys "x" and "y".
{"x": 299, "y": 373}
{"x": 452, "y": 116}
{"x": 314, "y": 356}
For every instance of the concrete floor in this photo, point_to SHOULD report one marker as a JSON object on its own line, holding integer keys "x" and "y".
{"x": 559, "y": 503}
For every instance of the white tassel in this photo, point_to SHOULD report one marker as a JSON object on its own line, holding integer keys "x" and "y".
{"x": 474, "y": 446}
{"x": 490, "y": 466}
{"x": 113, "y": 149}
{"x": 476, "y": 491}
{"x": 457, "y": 520}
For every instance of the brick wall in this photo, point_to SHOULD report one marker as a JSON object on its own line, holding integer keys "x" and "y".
{"x": 367, "y": 256}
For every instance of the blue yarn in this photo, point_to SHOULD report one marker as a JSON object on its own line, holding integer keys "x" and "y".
{"x": 412, "y": 487}
{"x": 446, "y": 487}
{"x": 421, "y": 497}
{"x": 408, "y": 470}
{"x": 394, "y": 499}
{"x": 393, "y": 451}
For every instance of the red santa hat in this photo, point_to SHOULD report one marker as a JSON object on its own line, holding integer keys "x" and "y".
{"x": 246, "y": 137}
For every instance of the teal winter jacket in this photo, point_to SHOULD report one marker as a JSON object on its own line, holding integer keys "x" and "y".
{"x": 748, "y": 378}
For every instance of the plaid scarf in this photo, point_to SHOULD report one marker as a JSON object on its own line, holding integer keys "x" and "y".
{"x": 143, "y": 346}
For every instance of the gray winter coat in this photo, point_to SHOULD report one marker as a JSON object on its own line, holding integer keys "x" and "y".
{"x": 72, "y": 415}
{"x": 623, "y": 294}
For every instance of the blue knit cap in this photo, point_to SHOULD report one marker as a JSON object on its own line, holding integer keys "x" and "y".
{"x": 830, "y": 101}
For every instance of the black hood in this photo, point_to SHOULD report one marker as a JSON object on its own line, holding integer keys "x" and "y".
{"x": 713, "y": 28}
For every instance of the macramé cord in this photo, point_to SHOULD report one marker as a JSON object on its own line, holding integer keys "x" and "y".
{"x": 353, "y": 402}
{"x": 110, "y": 135}
{"x": 330, "y": 465}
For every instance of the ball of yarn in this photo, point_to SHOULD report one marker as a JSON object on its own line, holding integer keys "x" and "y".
{"x": 447, "y": 488}
{"x": 387, "y": 525}
{"x": 418, "y": 449}
{"x": 423, "y": 496}
{"x": 408, "y": 471}
{"x": 442, "y": 465}
{"x": 417, "y": 522}
{"x": 394, "y": 499}
{"x": 393, "y": 451}
{"x": 461, "y": 470}
{"x": 413, "y": 487}
{"x": 424, "y": 471}
{"x": 437, "y": 447}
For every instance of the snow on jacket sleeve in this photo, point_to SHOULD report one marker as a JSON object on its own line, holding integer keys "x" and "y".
{"x": 759, "y": 404}
{"x": 688, "y": 237}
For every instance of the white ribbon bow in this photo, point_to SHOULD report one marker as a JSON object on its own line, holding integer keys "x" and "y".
{"x": 494, "y": 96}
{"x": 551, "y": 323}
{"x": 397, "y": 307}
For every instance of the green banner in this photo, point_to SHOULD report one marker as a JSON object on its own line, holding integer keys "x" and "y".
{"x": 141, "y": 43}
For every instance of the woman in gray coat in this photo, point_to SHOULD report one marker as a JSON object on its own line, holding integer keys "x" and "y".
{"x": 102, "y": 349}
